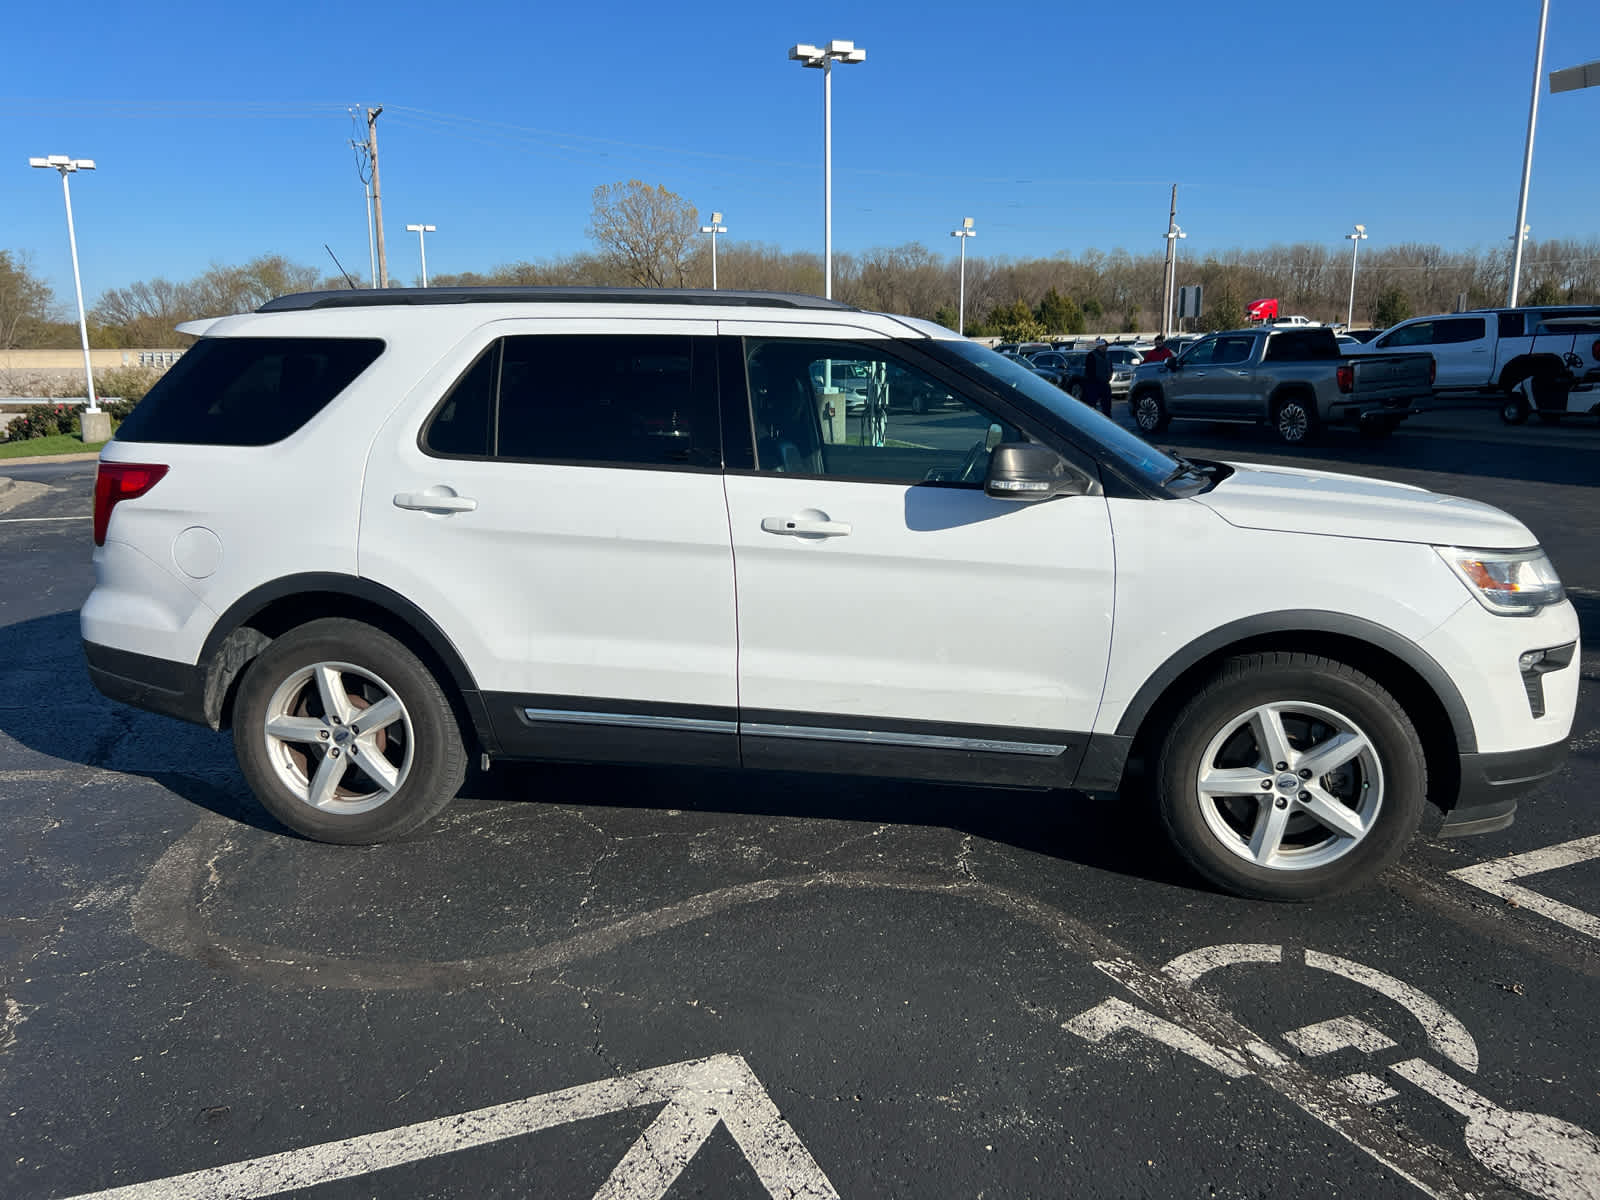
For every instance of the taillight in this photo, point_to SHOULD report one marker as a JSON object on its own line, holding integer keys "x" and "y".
{"x": 120, "y": 481}
{"x": 1595, "y": 351}
{"x": 1347, "y": 378}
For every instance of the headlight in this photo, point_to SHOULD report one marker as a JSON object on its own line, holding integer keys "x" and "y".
{"x": 1513, "y": 583}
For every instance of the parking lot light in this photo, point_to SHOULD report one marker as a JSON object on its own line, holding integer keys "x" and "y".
{"x": 1527, "y": 159}
{"x": 422, "y": 249}
{"x": 713, "y": 229}
{"x": 966, "y": 231}
{"x": 823, "y": 59}
{"x": 1355, "y": 238}
{"x": 68, "y": 166}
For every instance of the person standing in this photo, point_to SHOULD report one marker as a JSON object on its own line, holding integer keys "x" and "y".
{"x": 1097, "y": 377}
{"x": 1160, "y": 352}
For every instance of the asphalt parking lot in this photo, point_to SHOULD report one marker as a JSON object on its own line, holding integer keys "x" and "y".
{"x": 607, "y": 982}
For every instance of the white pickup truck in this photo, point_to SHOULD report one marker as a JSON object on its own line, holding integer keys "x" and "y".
{"x": 1567, "y": 382}
{"x": 1478, "y": 352}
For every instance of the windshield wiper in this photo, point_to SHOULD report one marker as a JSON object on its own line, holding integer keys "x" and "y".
{"x": 1187, "y": 466}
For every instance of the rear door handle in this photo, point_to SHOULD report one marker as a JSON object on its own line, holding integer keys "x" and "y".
{"x": 805, "y": 526}
{"x": 438, "y": 499}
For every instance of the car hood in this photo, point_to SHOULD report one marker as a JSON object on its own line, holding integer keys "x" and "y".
{"x": 1293, "y": 500}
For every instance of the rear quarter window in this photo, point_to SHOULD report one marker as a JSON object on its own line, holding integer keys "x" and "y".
{"x": 242, "y": 391}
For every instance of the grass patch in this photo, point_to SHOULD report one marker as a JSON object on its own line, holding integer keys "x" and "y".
{"x": 60, "y": 443}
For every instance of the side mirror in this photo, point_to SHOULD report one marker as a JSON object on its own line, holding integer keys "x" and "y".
{"x": 1026, "y": 471}
{"x": 1174, "y": 364}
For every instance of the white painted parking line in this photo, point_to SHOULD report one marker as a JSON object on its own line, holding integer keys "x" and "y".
{"x": 698, "y": 1096}
{"x": 1495, "y": 877}
{"x": 1540, "y": 1154}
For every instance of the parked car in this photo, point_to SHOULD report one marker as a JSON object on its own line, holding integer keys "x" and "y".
{"x": 1296, "y": 321}
{"x": 542, "y": 527}
{"x": 1295, "y": 380}
{"x": 1567, "y": 382}
{"x": 1482, "y": 352}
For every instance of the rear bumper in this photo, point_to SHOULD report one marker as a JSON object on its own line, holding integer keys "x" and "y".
{"x": 1490, "y": 783}
{"x": 155, "y": 684}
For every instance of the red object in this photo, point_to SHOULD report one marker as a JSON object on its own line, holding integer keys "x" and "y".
{"x": 116, "y": 482}
{"x": 1262, "y": 310}
{"x": 1165, "y": 352}
{"x": 1347, "y": 378}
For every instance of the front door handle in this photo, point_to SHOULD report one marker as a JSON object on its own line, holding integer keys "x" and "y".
{"x": 437, "y": 499}
{"x": 806, "y": 525}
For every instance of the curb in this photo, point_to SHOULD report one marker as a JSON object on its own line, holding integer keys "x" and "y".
{"x": 34, "y": 460}
{"x": 6, "y": 484}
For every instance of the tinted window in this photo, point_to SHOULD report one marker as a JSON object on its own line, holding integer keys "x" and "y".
{"x": 1301, "y": 345}
{"x": 1511, "y": 324}
{"x": 1201, "y": 353}
{"x": 1418, "y": 334}
{"x": 626, "y": 400}
{"x": 1232, "y": 350}
{"x": 242, "y": 391}
{"x": 1458, "y": 329}
{"x": 463, "y": 426}
{"x": 900, "y": 425}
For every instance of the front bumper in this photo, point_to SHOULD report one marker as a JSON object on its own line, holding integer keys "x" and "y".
{"x": 1487, "y": 801}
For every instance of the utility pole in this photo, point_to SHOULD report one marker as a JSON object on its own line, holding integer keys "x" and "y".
{"x": 1168, "y": 275}
{"x": 377, "y": 195}
{"x": 1527, "y": 161}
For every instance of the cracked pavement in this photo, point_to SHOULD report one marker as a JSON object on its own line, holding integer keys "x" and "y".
{"x": 182, "y": 985}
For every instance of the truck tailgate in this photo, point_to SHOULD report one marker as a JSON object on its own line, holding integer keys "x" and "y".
{"x": 1391, "y": 376}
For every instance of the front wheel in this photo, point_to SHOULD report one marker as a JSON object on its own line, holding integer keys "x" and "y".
{"x": 1295, "y": 419}
{"x": 1150, "y": 413}
{"x": 1290, "y": 777}
{"x": 345, "y": 736}
{"x": 1515, "y": 409}
{"x": 1075, "y": 389}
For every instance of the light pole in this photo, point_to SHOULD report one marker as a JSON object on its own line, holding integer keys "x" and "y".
{"x": 823, "y": 58}
{"x": 1527, "y": 159}
{"x": 67, "y": 166}
{"x": 1174, "y": 236}
{"x": 1356, "y": 238}
{"x": 422, "y": 248}
{"x": 966, "y": 231}
{"x": 713, "y": 229}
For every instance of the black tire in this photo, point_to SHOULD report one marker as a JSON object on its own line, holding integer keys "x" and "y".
{"x": 1075, "y": 389}
{"x": 1295, "y": 420}
{"x": 1514, "y": 410}
{"x": 1313, "y": 697}
{"x": 417, "y": 752}
{"x": 1150, "y": 412}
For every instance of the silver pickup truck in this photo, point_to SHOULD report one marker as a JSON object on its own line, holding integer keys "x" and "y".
{"x": 1295, "y": 380}
{"x": 1566, "y": 351}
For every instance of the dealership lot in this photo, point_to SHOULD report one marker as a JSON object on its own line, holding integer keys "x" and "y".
{"x": 637, "y": 983}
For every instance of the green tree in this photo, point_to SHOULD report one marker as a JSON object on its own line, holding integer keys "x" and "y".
{"x": 1546, "y": 291}
{"x": 26, "y": 303}
{"x": 946, "y": 316}
{"x": 1223, "y": 310}
{"x": 1060, "y": 314}
{"x": 1014, "y": 323}
{"x": 645, "y": 231}
{"x": 1391, "y": 305}
{"x": 1093, "y": 309}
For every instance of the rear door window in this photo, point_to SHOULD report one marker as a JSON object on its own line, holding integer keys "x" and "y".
{"x": 1459, "y": 329}
{"x": 246, "y": 391}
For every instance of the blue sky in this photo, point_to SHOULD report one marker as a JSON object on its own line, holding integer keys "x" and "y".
{"x": 221, "y": 131}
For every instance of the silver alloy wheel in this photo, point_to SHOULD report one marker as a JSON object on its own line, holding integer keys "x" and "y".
{"x": 1293, "y": 421}
{"x": 1290, "y": 785}
{"x": 338, "y": 738}
{"x": 1147, "y": 413}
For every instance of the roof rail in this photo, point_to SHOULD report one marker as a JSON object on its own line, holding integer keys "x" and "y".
{"x": 372, "y": 297}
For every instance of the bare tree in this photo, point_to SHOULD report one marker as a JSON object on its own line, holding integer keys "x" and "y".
{"x": 25, "y": 302}
{"x": 645, "y": 231}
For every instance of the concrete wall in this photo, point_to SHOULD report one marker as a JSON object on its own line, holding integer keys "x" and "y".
{"x": 100, "y": 360}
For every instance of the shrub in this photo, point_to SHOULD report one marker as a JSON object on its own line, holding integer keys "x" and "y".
{"x": 43, "y": 420}
{"x": 128, "y": 385}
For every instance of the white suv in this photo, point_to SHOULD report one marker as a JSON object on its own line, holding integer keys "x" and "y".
{"x": 385, "y": 533}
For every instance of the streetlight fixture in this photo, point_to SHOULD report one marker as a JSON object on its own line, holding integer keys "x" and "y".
{"x": 1356, "y": 238}
{"x": 966, "y": 231}
{"x": 422, "y": 248}
{"x": 1527, "y": 159}
{"x": 67, "y": 166}
{"x": 713, "y": 229}
{"x": 823, "y": 58}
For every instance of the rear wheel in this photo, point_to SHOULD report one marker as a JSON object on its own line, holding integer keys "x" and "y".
{"x": 1295, "y": 419}
{"x": 1290, "y": 777}
{"x": 1075, "y": 389}
{"x": 1515, "y": 409}
{"x": 344, "y": 735}
{"x": 1150, "y": 412}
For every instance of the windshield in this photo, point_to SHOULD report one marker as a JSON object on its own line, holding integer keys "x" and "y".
{"x": 1136, "y": 457}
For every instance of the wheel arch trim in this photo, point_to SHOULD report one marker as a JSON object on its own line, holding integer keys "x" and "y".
{"x": 1292, "y": 621}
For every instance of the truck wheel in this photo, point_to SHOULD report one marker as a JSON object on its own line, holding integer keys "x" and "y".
{"x": 1150, "y": 412}
{"x": 345, "y": 736}
{"x": 1515, "y": 409}
{"x": 1290, "y": 777}
{"x": 1295, "y": 419}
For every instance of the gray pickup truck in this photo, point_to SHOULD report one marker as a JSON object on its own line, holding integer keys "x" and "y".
{"x": 1295, "y": 380}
